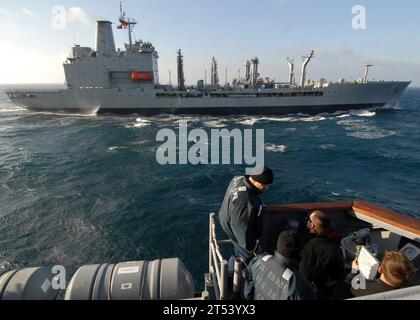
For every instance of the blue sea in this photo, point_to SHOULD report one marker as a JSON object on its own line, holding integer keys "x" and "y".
{"x": 79, "y": 189}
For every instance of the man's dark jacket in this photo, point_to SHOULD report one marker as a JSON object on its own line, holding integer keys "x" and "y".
{"x": 322, "y": 262}
{"x": 241, "y": 213}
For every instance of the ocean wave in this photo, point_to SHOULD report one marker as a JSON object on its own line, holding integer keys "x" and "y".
{"x": 313, "y": 119}
{"x": 110, "y": 149}
{"x": 364, "y": 113}
{"x": 328, "y": 146}
{"x": 140, "y": 123}
{"x": 363, "y": 130}
{"x": 140, "y": 142}
{"x": 247, "y": 122}
{"x": 15, "y": 109}
{"x": 279, "y": 119}
{"x": 275, "y": 148}
{"x": 341, "y": 116}
{"x": 214, "y": 123}
{"x": 91, "y": 114}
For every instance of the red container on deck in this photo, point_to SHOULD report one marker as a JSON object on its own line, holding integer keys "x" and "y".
{"x": 141, "y": 76}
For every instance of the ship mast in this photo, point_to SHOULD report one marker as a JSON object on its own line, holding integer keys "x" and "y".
{"x": 214, "y": 73}
{"x": 255, "y": 74}
{"x": 181, "y": 79}
{"x": 127, "y": 23}
{"x": 248, "y": 71}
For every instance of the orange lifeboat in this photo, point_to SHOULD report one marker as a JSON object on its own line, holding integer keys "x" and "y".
{"x": 141, "y": 76}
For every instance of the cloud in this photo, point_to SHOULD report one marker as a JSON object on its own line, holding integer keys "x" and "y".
{"x": 17, "y": 64}
{"x": 27, "y": 11}
{"x": 6, "y": 13}
{"x": 77, "y": 14}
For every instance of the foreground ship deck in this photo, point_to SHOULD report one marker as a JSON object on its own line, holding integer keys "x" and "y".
{"x": 169, "y": 279}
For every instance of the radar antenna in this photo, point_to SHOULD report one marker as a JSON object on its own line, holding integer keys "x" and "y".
{"x": 128, "y": 24}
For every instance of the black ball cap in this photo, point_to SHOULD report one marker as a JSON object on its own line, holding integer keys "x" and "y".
{"x": 288, "y": 244}
{"x": 266, "y": 177}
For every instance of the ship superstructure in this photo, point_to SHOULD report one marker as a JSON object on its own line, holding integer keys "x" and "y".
{"x": 110, "y": 80}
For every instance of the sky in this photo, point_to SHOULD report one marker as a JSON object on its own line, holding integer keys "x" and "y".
{"x": 34, "y": 41}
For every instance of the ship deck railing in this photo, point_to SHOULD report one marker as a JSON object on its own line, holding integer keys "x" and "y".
{"x": 220, "y": 278}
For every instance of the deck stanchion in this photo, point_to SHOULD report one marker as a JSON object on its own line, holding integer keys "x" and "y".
{"x": 237, "y": 276}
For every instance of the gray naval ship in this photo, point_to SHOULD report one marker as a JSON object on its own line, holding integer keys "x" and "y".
{"x": 107, "y": 80}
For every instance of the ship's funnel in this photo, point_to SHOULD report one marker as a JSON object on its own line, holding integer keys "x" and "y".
{"x": 105, "y": 43}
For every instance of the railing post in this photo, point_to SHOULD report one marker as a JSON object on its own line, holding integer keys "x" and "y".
{"x": 211, "y": 221}
{"x": 237, "y": 276}
{"x": 224, "y": 284}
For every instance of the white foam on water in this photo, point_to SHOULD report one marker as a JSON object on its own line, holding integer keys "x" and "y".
{"x": 335, "y": 194}
{"x": 364, "y": 113}
{"x": 275, "y": 148}
{"x": 313, "y": 119}
{"x": 280, "y": 119}
{"x": 248, "y": 122}
{"x": 140, "y": 123}
{"x": 141, "y": 142}
{"x": 328, "y": 146}
{"x": 214, "y": 123}
{"x": 361, "y": 129}
{"x": 114, "y": 148}
{"x": 341, "y": 116}
{"x": 11, "y": 109}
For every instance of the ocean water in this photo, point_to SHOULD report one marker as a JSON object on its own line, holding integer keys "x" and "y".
{"x": 78, "y": 190}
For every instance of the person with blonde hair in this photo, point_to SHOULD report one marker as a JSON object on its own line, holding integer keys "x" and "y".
{"x": 395, "y": 270}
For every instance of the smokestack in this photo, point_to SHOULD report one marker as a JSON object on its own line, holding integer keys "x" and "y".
{"x": 105, "y": 43}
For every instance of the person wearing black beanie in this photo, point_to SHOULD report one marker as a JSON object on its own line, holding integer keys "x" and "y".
{"x": 240, "y": 214}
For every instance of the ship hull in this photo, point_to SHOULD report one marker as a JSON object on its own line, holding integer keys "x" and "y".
{"x": 337, "y": 97}
{"x": 227, "y": 111}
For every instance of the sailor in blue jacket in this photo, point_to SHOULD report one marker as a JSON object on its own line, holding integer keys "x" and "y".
{"x": 240, "y": 215}
{"x": 276, "y": 277}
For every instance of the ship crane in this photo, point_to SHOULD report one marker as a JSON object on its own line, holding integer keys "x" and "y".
{"x": 306, "y": 60}
{"x": 365, "y": 80}
{"x": 291, "y": 63}
{"x": 127, "y": 23}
